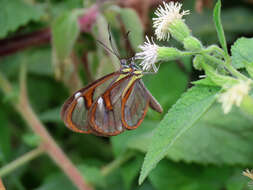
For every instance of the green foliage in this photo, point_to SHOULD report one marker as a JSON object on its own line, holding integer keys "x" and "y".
{"x": 17, "y": 13}
{"x": 218, "y": 25}
{"x": 5, "y": 144}
{"x": 131, "y": 20}
{"x": 182, "y": 116}
{"x": 65, "y": 31}
{"x": 187, "y": 177}
{"x": 242, "y": 54}
{"x": 194, "y": 147}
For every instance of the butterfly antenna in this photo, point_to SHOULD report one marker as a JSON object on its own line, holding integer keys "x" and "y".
{"x": 108, "y": 49}
{"x": 110, "y": 40}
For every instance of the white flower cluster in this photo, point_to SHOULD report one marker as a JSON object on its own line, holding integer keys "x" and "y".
{"x": 166, "y": 15}
{"x": 234, "y": 95}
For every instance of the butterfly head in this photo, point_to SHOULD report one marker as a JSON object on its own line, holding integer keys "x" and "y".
{"x": 129, "y": 64}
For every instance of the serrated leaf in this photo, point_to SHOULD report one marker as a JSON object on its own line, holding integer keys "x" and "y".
{"x": 16, "y": 13}
{"x": 218, "y": 25}
{"x": 133, "y": 24}
{"x": 65, "y": 31}
{"x": 242, "y": 54}
{"x": 182, "y": 116}
{"x": 233, "y": 131}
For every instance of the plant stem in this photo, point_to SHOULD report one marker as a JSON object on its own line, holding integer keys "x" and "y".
{"x": 20, "y": 161}
{"x": 227, "y": 65}
{"x": 1, "y": 185}
{"x": 116, "y": 163}
{"x": 50, "y": 146}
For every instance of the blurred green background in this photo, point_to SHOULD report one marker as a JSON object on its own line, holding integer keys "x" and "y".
{"x": 56, "y": 40}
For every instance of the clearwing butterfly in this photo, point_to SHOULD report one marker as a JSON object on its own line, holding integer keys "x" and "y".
{"x": 112, "y": 104}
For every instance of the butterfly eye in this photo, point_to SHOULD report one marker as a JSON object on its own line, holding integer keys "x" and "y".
{"x": 123, "y": 62}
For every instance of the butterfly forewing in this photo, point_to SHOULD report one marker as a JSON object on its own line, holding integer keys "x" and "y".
{"x": 75, "y": 110}
{"x": 105, "y": 115}
{"x": 134, "y": 106}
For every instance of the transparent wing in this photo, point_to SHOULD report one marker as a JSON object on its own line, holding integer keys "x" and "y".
{"x": 105, "y": 114}
{"x": 135, "y": 104}
{"x": 154, "y": 104}
{"x": 75, "y": 110}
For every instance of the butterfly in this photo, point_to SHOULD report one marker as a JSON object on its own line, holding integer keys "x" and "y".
{"x": 112, "y": 104}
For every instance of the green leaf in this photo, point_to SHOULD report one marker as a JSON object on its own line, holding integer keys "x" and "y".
{"x": 93, "y": 175}
{"x": 169, "y": 175}
{"x": 16, "y": 13}
{"x": 218, "y": 25}
{"x": 65, "y": 31}
{"x": 182, "y": 116}
{"x": 217, "y": 78}
{"x": 173, "y": 85}
{"x": 51, "y": 115}
{"x": 206, "y": 81}
{"x": 5, "y": 140}
{"x": 133, "y": 24}
{"x": 242, "y": 54}
{"x": 31, "y": 139}
{"x": 130, "y": 170}
{"x": 54, "y": 181}
{"x": 233, "y": 131}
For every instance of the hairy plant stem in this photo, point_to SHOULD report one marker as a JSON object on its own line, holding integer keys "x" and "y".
{"x": 50, "y": 146}
{"x": 226, "y": 64}
{"x": 21, "y": 161}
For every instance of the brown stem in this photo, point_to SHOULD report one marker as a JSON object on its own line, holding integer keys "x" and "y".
{"x": 53, "y": 150}
{"x": 12, "y": 45}
{"x": 1, "y": 185}
{"x": 43, "y": 36}
{"x": 87, "y": 67}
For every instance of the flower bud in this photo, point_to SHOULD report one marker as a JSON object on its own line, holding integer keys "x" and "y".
{"x": 193, "y": 44}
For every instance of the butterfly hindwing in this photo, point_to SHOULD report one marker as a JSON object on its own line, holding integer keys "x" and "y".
{"x": 75, "y": 110}
{"x": 135, "y": 104}
{"x": 154, "y": 104}
{"x": 105, "y": 115}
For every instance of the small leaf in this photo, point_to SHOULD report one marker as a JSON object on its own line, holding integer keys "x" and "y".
{"x": 65, "y": 31}
{"x": 218, "y": 25}
{"x": 206, "y": 81}
{"x": 218, "y": 79}
{"x": 242, "y": 54}
{"x": 183, "y": 115}
{"x": 16, "y": 13}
